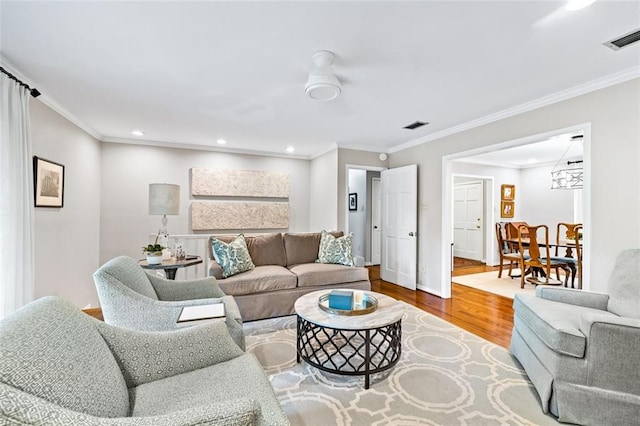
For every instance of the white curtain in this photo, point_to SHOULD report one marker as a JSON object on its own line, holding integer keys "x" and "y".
{"x": 16, "y": 198}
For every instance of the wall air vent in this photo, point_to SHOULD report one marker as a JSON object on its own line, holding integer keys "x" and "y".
{"x": 624, "y": 41}
{"x": 415, "y": 125}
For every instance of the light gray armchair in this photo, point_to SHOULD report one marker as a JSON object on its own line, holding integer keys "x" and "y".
{"x": 581, "y": 350}
{"x": 59, "y": 366}
{"x": 131, "y": 298}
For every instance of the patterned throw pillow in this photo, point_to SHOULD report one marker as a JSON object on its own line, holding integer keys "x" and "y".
{"x": 234, "y": 257}
{"x": 335, "y": 250}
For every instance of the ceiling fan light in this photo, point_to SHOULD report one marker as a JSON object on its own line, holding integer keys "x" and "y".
{"x": 323, "y": 84}
{"x": 323, "y": 87}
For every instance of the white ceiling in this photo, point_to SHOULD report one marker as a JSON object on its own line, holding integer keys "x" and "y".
{"x": 556, "y": 150}
{"x": 193, "y": 72}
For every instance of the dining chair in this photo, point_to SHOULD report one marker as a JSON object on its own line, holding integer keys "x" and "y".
{"x": 507, "y": 253}
{"x": 578, "y": 241}
{"x": 567, "y": 236}
{"x": 540, "y": 262}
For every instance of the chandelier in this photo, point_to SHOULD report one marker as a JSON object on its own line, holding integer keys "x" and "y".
{"x": 571, "y": 178}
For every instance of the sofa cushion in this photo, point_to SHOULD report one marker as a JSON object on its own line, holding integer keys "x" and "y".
{"x": 233, "y": 257}
{"x": 267, "y": 249}
{"x": 335, "y": 250}
{"x": 258, "y": 280}
{"x": 51, "y": 350}
{"x": 624, "y": 285}
{"x": 234, "y": 380}
{"x": 557, "y": 324}
{"x": 303, "y": 247}
{"x": 315, "y": 274}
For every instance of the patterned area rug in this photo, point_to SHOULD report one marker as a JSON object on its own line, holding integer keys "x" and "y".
{"x": 446, "y": 376}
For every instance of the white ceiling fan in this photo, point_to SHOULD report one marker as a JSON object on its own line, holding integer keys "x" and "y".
{"x": 323, "y": 83}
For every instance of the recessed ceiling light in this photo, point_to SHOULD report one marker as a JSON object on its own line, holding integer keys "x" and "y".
{"x": 221, "y": 142}
{"x": 137, "y": 133}
{"x": 573, "y": 5}
{"x": 290, "y": 149}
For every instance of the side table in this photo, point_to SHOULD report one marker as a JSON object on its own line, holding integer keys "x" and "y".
{"x": 171, "y": 266}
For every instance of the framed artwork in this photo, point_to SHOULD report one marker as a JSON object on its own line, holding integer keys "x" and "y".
{"x": 48, "y": 183}
{"x": 506, "y": 208}
{"x": 353, "y": 201}
{"x": 508, "y": 192}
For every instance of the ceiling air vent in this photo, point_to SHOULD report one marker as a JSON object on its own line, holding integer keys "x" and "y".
{"x": 624, "y": 41}
{"x": 415, "y": 125}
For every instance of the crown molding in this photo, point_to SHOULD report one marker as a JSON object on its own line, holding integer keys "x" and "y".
{"x": 49, "y": 101}
{"x": 363, "y": 147}
{"x": 72, "y": 118}
{"x": 197, "y": 147}
{"x": 572, "y": 92}
{"x": 328, "y": 149}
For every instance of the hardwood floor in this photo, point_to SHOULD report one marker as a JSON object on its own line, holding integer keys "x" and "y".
{"x": 484, "y": 314}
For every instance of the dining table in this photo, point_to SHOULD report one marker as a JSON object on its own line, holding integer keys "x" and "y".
{"x": 568, "y": 245}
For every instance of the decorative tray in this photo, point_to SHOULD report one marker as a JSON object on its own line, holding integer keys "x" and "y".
{"x": 368, "y": 305}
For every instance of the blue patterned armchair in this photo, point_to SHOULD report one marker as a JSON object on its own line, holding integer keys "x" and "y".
{"x": 132, "y": 298}
{"x": 59, "y": 366}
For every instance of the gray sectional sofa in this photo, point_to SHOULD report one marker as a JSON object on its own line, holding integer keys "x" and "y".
{"x": 285, "y": 269}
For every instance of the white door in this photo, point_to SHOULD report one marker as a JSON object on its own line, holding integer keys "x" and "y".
{"x": 375, "y": 220}
{"x": 399, "y": 225}
{"x": 468, "y": 219}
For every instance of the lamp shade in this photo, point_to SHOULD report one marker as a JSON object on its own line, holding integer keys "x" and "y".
{"x": 164, "y": 198}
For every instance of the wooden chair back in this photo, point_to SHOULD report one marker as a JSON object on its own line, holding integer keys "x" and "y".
{"x": 501, "y": 235}
{"x": 567, "y": 232}
{"x": 578, "y": 236}
{"x": 537, "y": 237}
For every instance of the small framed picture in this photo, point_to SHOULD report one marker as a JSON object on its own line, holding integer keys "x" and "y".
{"x": 353, "y": 201}
{"x": 48, "y": 183}
{"x": 508, "y": 192}
{"x": 506, "y": 208}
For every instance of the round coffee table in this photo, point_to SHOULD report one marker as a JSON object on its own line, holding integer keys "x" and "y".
{"x": 358, "y": 345}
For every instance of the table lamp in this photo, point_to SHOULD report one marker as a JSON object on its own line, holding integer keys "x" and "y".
{"x": 164, "y": 199}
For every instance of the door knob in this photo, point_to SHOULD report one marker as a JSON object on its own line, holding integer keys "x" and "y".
{"x": 411, "y": 234}
{"x": 375, "y": 227}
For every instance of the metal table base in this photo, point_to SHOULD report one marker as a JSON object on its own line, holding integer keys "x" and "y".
{"x": 349, "y": 352}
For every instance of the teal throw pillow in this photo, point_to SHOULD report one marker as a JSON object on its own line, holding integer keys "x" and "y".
{"x": 335, "y": 250}
{"x": 234, "y": 257}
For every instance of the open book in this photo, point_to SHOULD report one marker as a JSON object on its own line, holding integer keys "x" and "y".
{"x": 191, "y": 314}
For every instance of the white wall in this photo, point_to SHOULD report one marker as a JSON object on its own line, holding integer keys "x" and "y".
{"x": 127, "y": 171}
{"x": 67, "y": 239}
{"x": 323, "y": 187}
{"x": 358, "y": 218}
{"x": 613, "y": 115}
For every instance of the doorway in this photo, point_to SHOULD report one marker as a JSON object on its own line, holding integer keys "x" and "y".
{"x": 363, "y": 212}
{"x": 468, "y": 219}
{"x": 449, "y": 170}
